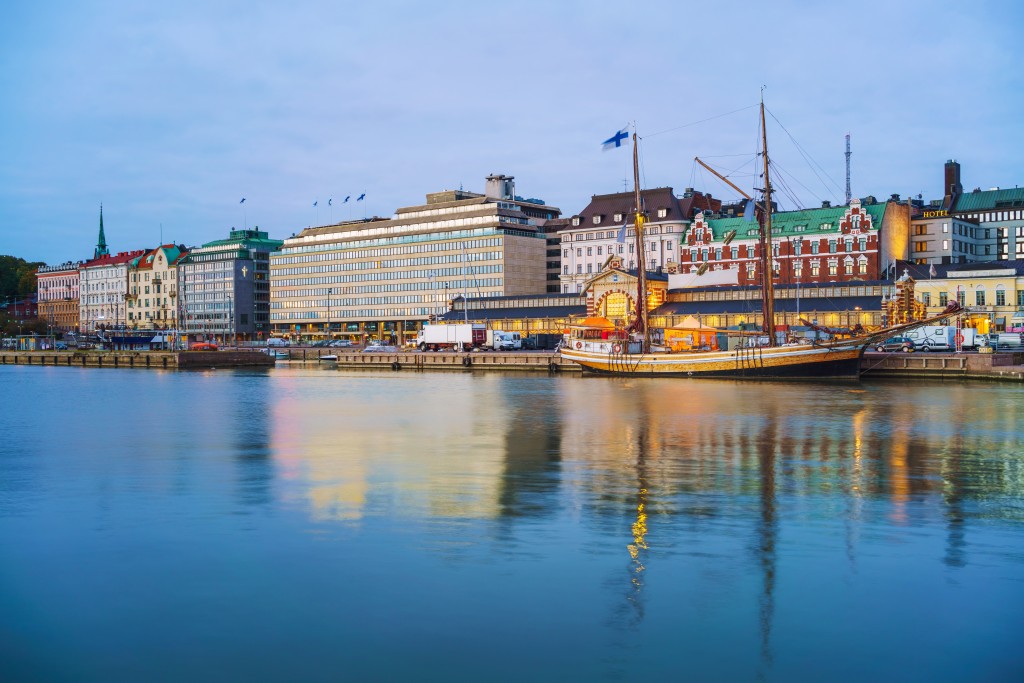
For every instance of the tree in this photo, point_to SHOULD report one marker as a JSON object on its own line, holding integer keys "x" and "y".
{"x": 17, "y": 276}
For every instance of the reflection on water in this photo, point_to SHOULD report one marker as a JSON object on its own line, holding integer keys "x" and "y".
{"x": 609, "y": 528}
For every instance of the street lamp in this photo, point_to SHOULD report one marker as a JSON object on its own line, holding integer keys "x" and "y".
{"x": 329, "y": 292}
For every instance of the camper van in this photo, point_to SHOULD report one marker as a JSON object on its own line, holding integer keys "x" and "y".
{"x": 942, "y": 338}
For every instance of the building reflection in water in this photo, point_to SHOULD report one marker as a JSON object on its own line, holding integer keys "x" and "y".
{"x": 251, "y": 447}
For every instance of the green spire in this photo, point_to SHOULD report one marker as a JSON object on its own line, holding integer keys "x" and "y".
{"x": 101, "y": 247}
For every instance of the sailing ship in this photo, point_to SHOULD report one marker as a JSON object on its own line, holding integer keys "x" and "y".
{"x": 598, "y": 346}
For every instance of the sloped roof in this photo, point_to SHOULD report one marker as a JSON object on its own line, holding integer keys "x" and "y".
{"x": 607, "y": 205}
{"x": 786, "y": 222}
{"x": 986, "y": 200}
{"x": 950, "y": 270}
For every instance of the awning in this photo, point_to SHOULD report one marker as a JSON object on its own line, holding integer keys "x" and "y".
{"x": 1001, "y": 321}
{"x": 159, "y": 339}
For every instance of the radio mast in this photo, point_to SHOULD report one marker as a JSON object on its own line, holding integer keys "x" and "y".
{"x": 848, "y": 169}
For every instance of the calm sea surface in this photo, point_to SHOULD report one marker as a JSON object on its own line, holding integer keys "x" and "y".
{"x": 326, "y": 525}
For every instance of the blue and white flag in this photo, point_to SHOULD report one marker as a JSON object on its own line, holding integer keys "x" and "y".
{"x": 361, "y": 197}
{"x": 346, "y": 199}
{"x": 748, "y": 211}
{"x": 314, "y": 203}
{"x": 329, "y": 201}
{"x": 622, "y": 233}
{"x": 615, "y": 140}
{"x": 243, "y": 201}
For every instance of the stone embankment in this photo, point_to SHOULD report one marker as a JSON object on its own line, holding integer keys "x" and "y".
{"x": 138, "y": 359}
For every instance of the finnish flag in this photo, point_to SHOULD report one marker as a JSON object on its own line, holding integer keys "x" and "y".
{"x": 615, "y": 140}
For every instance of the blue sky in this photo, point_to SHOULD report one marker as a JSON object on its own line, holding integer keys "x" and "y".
{"x": 170, "y": 113}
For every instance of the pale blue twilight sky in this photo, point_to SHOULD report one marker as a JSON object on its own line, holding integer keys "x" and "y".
{"x": 170, "y": 113}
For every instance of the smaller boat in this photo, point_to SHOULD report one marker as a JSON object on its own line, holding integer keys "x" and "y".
{"x": 329, "y": 357}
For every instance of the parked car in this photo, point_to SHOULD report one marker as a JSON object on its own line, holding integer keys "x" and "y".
{"x": 342, "y": 344}
{"x": 60, "y": 346}
{"x": 897, "y": 343}
{"x": 380, "y": 348}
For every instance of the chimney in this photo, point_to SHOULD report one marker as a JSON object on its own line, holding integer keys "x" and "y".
{"x": 894, "y": 197}
{"x": 953, "y": 185}
{"x": 826, "y": 204}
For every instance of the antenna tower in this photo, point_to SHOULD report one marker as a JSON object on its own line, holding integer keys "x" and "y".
{"x": 848, "y": 169}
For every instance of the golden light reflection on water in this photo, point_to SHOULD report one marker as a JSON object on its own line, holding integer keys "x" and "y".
{"x": 433, "y": 457}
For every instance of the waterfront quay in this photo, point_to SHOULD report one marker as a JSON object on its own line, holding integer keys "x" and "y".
{"x": 181, "y": 360}
{"x": 874, "y": 365}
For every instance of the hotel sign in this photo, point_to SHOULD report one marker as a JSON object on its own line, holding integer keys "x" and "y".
{"x": 936, "y": 214}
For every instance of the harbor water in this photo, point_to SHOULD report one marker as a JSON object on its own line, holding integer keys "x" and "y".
{"x": 316, "y": 524}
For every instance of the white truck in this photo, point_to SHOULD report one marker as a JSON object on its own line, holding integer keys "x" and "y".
{"x": 458, "y": 336}
{"x": 504, "y": 341}
{"x": 942, "y": 338}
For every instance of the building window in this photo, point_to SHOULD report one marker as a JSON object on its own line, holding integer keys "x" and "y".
{"x": 597, "y": 220}
{"x": 831, "y": 247}
{"x": 815, "y": 270}
{"x": 579, "y": 268}
{"x": 600, "y": 250}
{"x": 943, "y": 298}
{"x": 833, "y": 269}
{"x": 1000, "y": 297}
{"x": 961, "y": 298}
{"x": 920, "y": 246}
{"x": 926, "y": 298}
{"x": 735, "y": 252}
{"x": 979, "y": 297}
{"x": 565, "y": 270}
{"x": 618, "y": 217}
{"x": 590, "y": 267}
{"x": 668, "y": 245}
{"x": 848, "y": 267}
{"x": 579, "y": 252}
{"x": 662, "y": 213}
{"x": 863, "y": 244}
{"x": 576, "y": 220}
{"x": 815, "y": 247}
{"x": 590, "y": 251}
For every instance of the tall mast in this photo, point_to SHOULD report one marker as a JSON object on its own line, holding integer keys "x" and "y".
{"x": 767, "y": 286}
{"x": 641, "y": 266}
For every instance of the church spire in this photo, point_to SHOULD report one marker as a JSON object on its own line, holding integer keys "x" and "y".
{"x": 101, "y": 246}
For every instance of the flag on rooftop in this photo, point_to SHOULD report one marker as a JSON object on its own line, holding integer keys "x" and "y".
{"x": 314, "y": 203}
{"x": 615, "y": 140}
{"x": 361, "y": 197}
{"x": 243, "y": 201}
{"x": 931, "y": 271}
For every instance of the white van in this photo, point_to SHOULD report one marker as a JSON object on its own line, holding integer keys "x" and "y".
{"x": 506, "y": 341}
{"x": 278, "y": 342}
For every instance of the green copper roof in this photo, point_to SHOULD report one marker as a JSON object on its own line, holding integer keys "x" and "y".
{"x": 812, "y": 221}
{"x": 989, "y": 200}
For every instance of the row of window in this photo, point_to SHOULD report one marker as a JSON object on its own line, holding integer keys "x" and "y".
{"x": 362, "y": 301}
{"x": 417, "y": 232}
{"x": 344, "y": 251}
{"x": 383, "y": 275}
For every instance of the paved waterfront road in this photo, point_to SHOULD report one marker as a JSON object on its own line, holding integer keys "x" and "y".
{"x": 303, "y": 524}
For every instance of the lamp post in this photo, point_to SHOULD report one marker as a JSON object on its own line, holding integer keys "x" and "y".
{"x": 329, "y": 292}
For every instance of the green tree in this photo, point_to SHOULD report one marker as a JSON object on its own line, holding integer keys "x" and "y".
{"x": 17, "y": 276}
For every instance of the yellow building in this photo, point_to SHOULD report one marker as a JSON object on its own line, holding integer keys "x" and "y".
{"x": 992, "y": 292}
